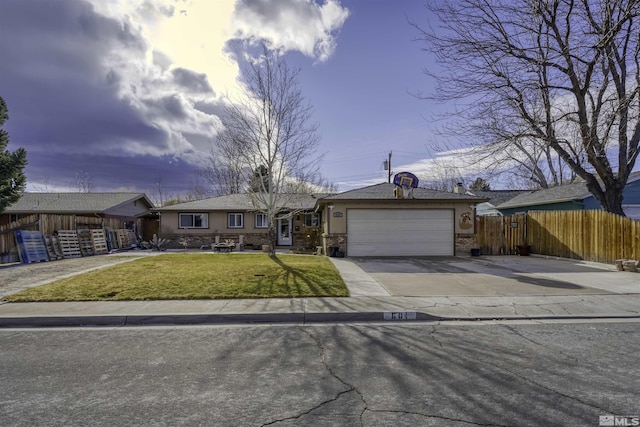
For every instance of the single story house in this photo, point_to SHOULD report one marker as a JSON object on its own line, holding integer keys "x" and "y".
{"x": 573, "y": 196}
{"x": 385, "y": 220}
{"x": 128, "y": 208}
{"x": 494, "y": 198}
{"x": 235, "y": 217}
{"x": 379, "y": 220}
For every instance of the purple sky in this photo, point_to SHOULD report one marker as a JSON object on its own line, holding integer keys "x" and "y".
{"x": 129, "y": 90}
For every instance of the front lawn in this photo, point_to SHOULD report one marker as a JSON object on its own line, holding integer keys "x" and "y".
{"x": 198, "y": 276}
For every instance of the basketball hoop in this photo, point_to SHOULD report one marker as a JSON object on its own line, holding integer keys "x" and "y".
{"x": 406, "y": 180}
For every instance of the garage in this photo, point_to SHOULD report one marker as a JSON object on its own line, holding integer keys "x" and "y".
{"x": 400, "y": 232}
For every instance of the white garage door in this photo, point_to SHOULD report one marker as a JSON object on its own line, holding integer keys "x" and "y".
{"x": 400, "y": 232}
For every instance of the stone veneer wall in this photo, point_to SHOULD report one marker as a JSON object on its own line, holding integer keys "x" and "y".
{"x": 464, "y": 243}
{"x": 336, "y": 239}
{"x": 198, "y": 240}
{"x": 256, "y": 239}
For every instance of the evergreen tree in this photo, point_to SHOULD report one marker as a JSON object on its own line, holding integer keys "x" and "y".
{"x": 480, "y": 184}
{"x": 260, "y": 180}
{"x": 12, "y": 178}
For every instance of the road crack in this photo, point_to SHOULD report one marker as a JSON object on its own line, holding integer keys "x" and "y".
{"x": 432, "y": 334}
{"x": 350, "y": 387}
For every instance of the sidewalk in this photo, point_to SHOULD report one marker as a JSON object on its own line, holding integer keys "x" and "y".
{"x": 313, "y": 310}
{"x": 369, "y": 302}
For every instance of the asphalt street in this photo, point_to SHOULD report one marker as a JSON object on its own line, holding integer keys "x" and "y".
{"x": 410, "y": 374}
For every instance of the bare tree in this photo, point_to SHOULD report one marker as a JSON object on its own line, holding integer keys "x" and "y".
{"x": 159, "y": 192}
{"x": 197, "y": 187}
{"x": 320, "y": 184}
{"x": 84, "y": 182}
{"x": 43, "y": 185}
{"x": 442, "y": 179}
{"x": 271, "y": 133}
{"x": 225, "y": 172}
{"x": 443, "y": 172}
{"x": 525, "y": 158}
{"x": 549, "y": 69}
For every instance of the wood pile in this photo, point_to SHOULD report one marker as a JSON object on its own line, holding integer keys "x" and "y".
{"x": 126, "y": 238}
{"x": 69, "y": 243}
{"x": 53, "y": 247}
{"x": 99, "y": 242}
{"x": 85, "y": 242}
{"x": 34, "y": 247}
{"x": 31, "y": 246}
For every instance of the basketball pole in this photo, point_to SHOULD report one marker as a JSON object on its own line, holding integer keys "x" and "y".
{"x": 389, "y": 164}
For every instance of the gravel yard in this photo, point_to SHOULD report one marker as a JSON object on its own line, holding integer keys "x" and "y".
{"x": 23, "y": 276}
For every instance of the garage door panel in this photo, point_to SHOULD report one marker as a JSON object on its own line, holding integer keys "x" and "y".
{"x": 400, "y": 232}
{"x": 415, "y": 226}
{"x": 404, "y": 250}
{"x": 392, "y": 237}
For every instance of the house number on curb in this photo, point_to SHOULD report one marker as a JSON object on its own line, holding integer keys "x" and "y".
{"x": 399, "y": 315}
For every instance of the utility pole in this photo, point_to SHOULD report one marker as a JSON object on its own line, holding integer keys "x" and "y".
{"x": 387, "y": 166}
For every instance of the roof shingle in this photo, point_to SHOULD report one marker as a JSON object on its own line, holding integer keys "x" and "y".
{"x": 71, "y": 202}
{"x": 384, "y": 191}
{"x": 242, "y": 202}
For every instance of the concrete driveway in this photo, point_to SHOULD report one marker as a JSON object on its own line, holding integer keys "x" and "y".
{"x": 493, "y": 275}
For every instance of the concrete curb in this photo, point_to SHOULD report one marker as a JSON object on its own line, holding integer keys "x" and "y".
{"x": 266, "y": 318}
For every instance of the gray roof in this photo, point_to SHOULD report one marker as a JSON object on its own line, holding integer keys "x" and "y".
{"x": 242, "y": 202}
{"x": 384, "y": 191}
{"x": 73, "y": 202}
{"x": 496, "y": 197}
{"x": 558, "y": 194}
{"x": 561, "y": 193}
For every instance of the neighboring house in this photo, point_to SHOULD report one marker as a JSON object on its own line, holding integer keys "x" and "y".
{"x": 495, "y": 198}
{"x": 235, "y": 217}
{"x": 573, "y": 196}
{"x": 374, "y": 221}
{"x": 127, "y": 207}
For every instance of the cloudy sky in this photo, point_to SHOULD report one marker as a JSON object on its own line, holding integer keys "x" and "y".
{"x": 130, "y": 90}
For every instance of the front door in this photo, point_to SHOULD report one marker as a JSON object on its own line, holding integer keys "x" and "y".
{"x": 284, "y": 231}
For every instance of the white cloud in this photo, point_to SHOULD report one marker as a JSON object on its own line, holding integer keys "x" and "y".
{"x": 182, "y": 60}
{"x": 301, "y": 25}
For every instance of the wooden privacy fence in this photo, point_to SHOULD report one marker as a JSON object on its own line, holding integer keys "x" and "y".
{"x": 498, "y": 235}
{"x": 587, "y": 235}
{"x": 48, "y": 225}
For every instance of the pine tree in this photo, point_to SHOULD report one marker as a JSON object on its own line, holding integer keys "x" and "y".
{"x": 480, "y": 184}
{"x": 12, "y": 178}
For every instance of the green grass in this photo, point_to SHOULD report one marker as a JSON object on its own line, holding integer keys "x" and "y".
{"x": 198, "y": 276}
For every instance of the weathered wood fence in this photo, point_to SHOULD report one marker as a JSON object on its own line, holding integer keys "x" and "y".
{"x": 48, "y": 224}
{"x": 587, "y": 235}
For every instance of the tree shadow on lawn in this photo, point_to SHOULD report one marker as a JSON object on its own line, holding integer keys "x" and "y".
{"x": 293, "y": 279}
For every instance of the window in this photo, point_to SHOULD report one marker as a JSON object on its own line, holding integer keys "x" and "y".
{"x": 194, "y": 220}
{"x": 235, "y": 220}
{"x": 261, "y": 220}
{"x": 311, "y": 219}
